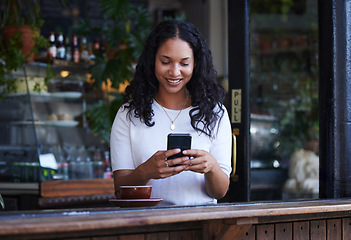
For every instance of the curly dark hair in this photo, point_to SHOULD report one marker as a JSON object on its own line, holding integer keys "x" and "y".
{"x": 205, "y": 90}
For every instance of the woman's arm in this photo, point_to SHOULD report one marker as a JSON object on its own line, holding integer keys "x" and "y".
{"x": 216, "y": 181}
{"x": 215, "y": 163}
{"x": 154, "y": 168}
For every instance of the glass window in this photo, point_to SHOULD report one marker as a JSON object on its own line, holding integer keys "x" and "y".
{"x": 284, "y": 99}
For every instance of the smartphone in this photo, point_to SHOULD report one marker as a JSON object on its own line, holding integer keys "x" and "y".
{"x": 178, "y": 140}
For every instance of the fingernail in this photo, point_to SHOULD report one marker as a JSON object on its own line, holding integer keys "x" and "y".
{"x": 184, "y": 152}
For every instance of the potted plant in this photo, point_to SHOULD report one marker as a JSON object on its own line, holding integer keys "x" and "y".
{"x": 20, "y": 23}
{"x": 22, "y": 19}
{"x": 125, "y": 29}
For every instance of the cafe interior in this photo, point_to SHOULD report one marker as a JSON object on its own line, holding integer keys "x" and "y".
{"x": 54, "y": 145}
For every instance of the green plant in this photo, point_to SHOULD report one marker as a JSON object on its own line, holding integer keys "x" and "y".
{"x": 297, "y": 114}
{"x": 19, "y": 13}
{"x": 125, "y": 29}
{"x": 11, "y": 59}
{"x": 272, "y": 7}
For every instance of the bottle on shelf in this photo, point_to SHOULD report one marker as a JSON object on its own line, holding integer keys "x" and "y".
{"x": 98, "y": 165}
{"x": 102, "y": 46}
{"x": 107, "y": 165}
{"x": 62, "y": 165}
{"x": 64, "y": 170}
{"x": 83, "y": 171}
{"x": 85, "y": 163}
{"x": 96, "y": 45}
{"x": 90, "y": 53}
{"x": 75, "y": 49}
{"x": 89, "y": 166}
{"x": 84, "y": 53}
{"x": 80, "y": 165}
{"x": 61, "y": 48}
{"x": 72, "y": 162}
{"x": 52, "y": 47}
{"x": 68, "y": 50}
{"x": 94, "y": 50}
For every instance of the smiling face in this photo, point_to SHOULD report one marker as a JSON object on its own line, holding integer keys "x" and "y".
{"x": 174, "y": 65}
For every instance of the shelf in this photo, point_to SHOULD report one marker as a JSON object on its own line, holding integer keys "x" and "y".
{"x": 275, "y": 51}
{"x": 19, "y": 188}
{"x": 48, "y": 120}
{"x": 60, "y": 123}
{"x": 58, "y": 65}
{"x": 55, "y": 95}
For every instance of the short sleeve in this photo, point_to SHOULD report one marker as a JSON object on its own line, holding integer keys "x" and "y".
{"x": 121, "y": 153}
{"x": 222, "y": 144}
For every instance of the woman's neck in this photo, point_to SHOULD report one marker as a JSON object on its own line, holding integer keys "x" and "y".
{"x": 176, "y": 101}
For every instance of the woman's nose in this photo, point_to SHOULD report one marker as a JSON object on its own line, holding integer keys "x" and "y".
{"x": 174, "y": 70}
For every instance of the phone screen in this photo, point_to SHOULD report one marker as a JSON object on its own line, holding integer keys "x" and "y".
{"x": 178, "y": 140}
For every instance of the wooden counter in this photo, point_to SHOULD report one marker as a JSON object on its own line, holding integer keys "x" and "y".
{"x": 75, "y": 193}
{"x": 303, "y": 220}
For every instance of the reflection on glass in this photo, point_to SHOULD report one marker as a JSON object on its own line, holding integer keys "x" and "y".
{"x": 284, "y": 99}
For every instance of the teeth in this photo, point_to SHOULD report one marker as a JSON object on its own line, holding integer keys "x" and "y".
{"x": 173, "y": 81}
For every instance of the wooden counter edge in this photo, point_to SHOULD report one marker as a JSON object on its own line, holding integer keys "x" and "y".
{"x": 113, "y": 218}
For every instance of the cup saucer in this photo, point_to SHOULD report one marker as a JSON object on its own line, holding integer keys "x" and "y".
{"x": 136, "y": 202}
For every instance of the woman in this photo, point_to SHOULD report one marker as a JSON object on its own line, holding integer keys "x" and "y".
{"x": 174, "y": 90}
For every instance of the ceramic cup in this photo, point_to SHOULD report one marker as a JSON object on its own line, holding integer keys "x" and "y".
{"x": 134, "y": 192}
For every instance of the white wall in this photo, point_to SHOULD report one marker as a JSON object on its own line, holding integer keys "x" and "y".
{"x": 218, "y": 35}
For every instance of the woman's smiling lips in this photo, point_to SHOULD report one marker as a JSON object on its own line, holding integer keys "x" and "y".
{"x": 174, "y": 81}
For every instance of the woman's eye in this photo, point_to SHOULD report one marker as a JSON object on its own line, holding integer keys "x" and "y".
{"x": 165, "y": 62}
{"x": 185, "y": 64}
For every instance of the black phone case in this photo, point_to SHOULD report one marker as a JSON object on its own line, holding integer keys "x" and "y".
{"x": 178, "y": 140}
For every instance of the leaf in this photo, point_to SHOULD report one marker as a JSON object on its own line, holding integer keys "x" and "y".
{"x": 125, "y": 30}
{"x": 83, "y": 28}
{"x": 98, "y": 72}
{"x": 114, "y": 8}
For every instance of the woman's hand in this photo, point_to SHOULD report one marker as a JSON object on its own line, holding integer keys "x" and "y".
{"x": 216, "y": 181}
{"x": 158, "y": 167}
{"x": 155, "y": 167}
{"x": 201, "y": 161}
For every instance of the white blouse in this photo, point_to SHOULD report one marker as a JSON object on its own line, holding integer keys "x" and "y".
{"x": 132, "y": 143}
